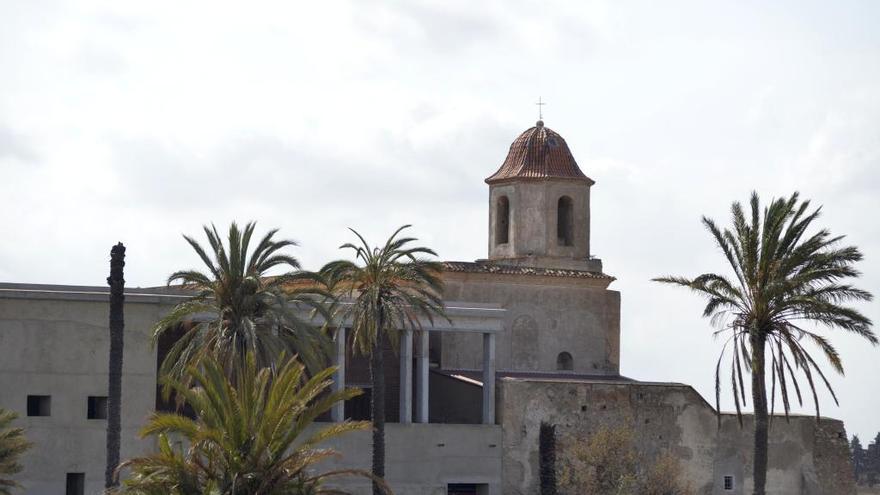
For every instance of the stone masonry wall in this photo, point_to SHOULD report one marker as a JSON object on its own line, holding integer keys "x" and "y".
{"x": 545, "y": 316}
{"x": 805, "y": 457}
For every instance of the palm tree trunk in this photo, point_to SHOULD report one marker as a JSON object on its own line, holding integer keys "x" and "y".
{"x": 759, "y": 399}
{"x": 377, "y": 374}
{"x": 114, "y": 395}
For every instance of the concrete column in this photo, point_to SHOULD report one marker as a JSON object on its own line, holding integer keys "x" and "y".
{"x": 422, "y": 378}
{"x": 488, "y": 378}
{"x": 337, "y": 412}
{"x": 406, "y": 385}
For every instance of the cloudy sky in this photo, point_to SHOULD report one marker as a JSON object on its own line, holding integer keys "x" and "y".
{"x": 139, "y": 121}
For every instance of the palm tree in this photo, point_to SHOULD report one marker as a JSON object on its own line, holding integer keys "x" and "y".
{"x": 12, "y": 446}
{"x": 785, "y": 283}
{"x": 391, "y": 288}
{"x": 251, "y": 436}
{"x": 238, "y": 308}
{"x": 114, "y": 396}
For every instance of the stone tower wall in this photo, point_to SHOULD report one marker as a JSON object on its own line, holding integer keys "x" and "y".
{"x": 533, "y": 219}
{"x": 545, "y": 317}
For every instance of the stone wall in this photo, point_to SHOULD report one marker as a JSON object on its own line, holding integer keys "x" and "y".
{"x": 545, "y": 316}
{"x": 805, "y": 457}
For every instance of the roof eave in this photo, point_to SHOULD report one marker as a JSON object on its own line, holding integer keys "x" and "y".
{"x": 502, "y": 180}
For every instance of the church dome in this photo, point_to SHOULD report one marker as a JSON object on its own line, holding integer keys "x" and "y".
{"x": 538, "y": 153}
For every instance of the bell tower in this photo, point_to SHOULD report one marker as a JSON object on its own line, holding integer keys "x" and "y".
{"x": 539, "y": 205}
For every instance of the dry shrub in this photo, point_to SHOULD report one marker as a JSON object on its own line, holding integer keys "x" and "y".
{"x": 609, "y": 463}
{"x": 665, "y": 477}
{"x": 606, "y": 464}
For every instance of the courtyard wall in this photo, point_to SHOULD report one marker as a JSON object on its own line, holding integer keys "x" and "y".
{"x": 806, "y": 457}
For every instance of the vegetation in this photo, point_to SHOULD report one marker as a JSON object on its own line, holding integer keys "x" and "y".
{"x": 866, "y": 461}
{"x": 857, "y": 457}
{"x": 390, "y": 287}
{"x": 665, "y": 477}
{"x": 239, "y": 309}
{"x": 872, "y": 462}
{"x": 12, "y": 446}
{"x": 250, "y": 436}
{"x": 114, "y": 396}
{"x": 784, "y": 279}
{"x": 608, "y": 463}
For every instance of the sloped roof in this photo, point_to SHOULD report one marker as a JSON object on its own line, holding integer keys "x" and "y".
{"x": 476, "y": 267}
{"x": 539, "y": 153}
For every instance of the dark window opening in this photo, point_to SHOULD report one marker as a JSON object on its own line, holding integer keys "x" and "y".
{"x": 39, "y": 405}
{"x": 564, "y": 362}
{"x": 97, "y": 407}
{"x": 564, "y": 222}
{"x": 167, "y": 400}
{"x": 502, "y": 221}
{"x": 467, "y": 489}
{"x": 728, "y": 482}
{"x": 76, "y": 484}
{"x": 358, "y": 408}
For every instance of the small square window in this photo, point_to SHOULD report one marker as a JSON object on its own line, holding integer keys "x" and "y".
{"x": 39, "y": 405}
{"x": 728, "y": 483}
{"x": 76, "y": 484}
{"x": 97, "y": 408}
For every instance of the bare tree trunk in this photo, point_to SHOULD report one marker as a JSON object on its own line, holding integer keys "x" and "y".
{"x": 377, "y": 372}
{"x": 114, "y": 395}
{"x": 759, "y": 399}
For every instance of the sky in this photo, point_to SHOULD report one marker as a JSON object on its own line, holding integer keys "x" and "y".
{"x": 141, "y": 121}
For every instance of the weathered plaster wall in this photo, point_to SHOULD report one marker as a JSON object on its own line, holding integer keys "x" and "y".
{"x": 545, "y": 316}
{"x": 57, "y": 347}
{"x": 805, "y": 458}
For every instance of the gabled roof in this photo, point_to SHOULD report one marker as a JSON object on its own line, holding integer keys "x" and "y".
{"x": 538, "y": 153}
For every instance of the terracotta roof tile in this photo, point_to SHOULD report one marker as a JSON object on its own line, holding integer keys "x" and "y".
{"x": 477, "y": 267}
{"x": 539, "y": 153}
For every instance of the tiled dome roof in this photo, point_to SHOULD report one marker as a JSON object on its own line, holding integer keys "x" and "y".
{"x": 538, "y": 153}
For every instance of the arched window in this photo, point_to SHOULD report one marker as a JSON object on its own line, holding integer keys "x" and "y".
{"x": 564, "y": 362}
{"x": 502, "y": 220}
{"x": 564, "y": 222}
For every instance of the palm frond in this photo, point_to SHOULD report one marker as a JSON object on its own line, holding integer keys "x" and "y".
{"x": 786, "y": 275}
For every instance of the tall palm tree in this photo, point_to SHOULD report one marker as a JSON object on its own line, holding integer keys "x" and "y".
{"x": 114, "y": 395}
{"x": 252, "y": 436}
{"x": 391, "y": 288}
{"x": 238, "y": 308}
{"x": 785, "y": 283}
{"x": 12, "y": 446}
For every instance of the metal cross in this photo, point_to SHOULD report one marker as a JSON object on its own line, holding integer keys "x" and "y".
{"x": 540, "y": 109}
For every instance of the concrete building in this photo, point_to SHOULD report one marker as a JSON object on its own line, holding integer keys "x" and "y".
{"x": 534, "y": 338}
